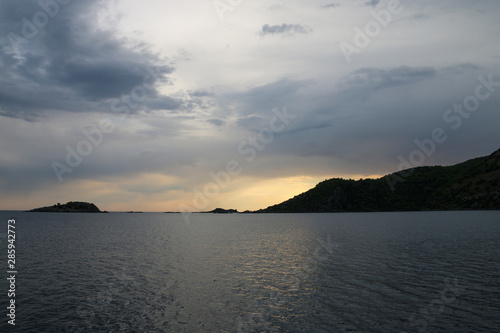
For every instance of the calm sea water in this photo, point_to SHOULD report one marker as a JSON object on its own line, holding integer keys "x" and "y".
{"x": 372, "y": 272}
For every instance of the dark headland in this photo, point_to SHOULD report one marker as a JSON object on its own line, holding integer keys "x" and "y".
{"x": 70, "y": 207}
{"x": 471, "y": 185}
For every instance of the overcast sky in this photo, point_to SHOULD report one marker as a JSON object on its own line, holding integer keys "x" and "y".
{"x": 137, "y": 105}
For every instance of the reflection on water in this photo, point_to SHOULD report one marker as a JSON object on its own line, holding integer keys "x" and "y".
{"x": 376, "y": 272}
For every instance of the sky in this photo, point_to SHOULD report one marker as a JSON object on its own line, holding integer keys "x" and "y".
{"x": 190, "y": 105}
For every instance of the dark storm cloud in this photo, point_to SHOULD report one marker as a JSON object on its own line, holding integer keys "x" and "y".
{"x": 284, "y": 29}
{"x": 67, "y": 63}
{"x": 98, "y": 78}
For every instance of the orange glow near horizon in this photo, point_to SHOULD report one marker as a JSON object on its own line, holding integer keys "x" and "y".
{"x": 126, "y": 195}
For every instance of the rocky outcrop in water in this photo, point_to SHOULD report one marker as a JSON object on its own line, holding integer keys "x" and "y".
{"x": 70, "y": 207}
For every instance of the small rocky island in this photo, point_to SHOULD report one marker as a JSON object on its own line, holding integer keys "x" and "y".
{"x": 70, "y": 207}
{"x": 222, "y": 211}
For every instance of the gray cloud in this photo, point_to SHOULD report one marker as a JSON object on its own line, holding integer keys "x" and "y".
{"x": 419, "y": 16}
{"x": 284, "y": 29}
{"x": 351, "y": 134}
{"x": 372, "y": 3}
{"x": 201, "y": 93}
{"x": 374, "y": 114}
{"x": 261, "y": 100}
{"x": 163, "y": 103}
{"x": 69, "y": 65}
{"x": 216, "y": 122}
{"x": 377, "y": 78}
{"x": 350, "y": 119}
{"x": 330, "y": 6}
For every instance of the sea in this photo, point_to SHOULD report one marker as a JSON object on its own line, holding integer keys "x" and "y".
{"x": 338, "y": 272}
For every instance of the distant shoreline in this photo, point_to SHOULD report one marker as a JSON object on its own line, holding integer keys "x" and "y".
{"x": 263, "y": 213}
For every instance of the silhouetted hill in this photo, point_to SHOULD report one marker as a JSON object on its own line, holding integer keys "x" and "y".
{"x": 70, "y": 207}
{"x": 474, "y": 184}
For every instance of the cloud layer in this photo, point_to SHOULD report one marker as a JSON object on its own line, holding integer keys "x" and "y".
{"x": 284, "y": 29}
{"x": 70, "y": 65}
{"x": 187, "y": 97}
